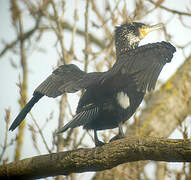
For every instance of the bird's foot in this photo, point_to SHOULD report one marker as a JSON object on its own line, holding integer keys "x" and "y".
{"x": 99, "y": 143}
{"x": 119, "y": 136}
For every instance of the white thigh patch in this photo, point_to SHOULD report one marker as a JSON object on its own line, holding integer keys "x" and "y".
{"x": 123, "y": 100}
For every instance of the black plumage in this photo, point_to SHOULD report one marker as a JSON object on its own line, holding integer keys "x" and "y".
{"x": 111, "y": 97}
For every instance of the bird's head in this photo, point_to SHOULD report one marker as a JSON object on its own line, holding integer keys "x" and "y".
{"x": 128, "y": 35}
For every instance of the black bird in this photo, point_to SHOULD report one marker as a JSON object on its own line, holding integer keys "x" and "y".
{"x": 111, "y": 97}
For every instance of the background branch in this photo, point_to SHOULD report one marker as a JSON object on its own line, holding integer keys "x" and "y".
{"x": 168, "y": 9}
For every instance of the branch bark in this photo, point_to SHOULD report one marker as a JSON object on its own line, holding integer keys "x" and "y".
{"x": 99, "y": 158}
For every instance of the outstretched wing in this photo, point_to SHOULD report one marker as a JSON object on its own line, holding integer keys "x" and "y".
{"x": 67, "y": 78}
{"x": 143, "y": 64}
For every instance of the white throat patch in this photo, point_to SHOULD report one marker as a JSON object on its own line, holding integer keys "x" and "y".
{"x": 123, "y": 100}
{"x": 133, "y": 39}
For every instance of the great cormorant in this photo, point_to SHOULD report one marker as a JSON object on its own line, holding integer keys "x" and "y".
{"x": 111, "y": 97}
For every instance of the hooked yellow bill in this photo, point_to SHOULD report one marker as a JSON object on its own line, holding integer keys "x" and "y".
{"x": 143, "y": 31}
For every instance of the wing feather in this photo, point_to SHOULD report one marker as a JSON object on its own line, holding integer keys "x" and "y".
{"x": 144, "y": 64}
{"x": 67, "y": 78}
{"x": 81, "y": 118}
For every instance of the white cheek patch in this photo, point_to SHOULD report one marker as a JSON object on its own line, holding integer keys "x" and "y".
{"x": 123, "y": 100}
{"x": 133, "y": 39}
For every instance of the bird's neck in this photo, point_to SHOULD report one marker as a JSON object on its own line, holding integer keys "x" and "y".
{"x": 125, "y": 42}
{"x": 122, "y": 47}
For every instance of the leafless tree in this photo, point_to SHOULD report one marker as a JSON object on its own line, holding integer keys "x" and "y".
{"x": 82, "y": 33}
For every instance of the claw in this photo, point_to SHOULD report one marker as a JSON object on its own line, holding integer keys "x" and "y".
{"x": 97, "y": 141}
{"x": 120, "y": 134}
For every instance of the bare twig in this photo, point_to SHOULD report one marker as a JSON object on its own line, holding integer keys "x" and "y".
{"x": 62, "y": 106}
{"x": 23, "y": 37}
{"x": 59, "y": 32}
{"x": 170, "y": 10}
{"x": 41, "y": 133}
{"x": 101, "y": 18}
{"x": 5, "y": 145}
{"x": 87, "y": 47}
{"x": 23, "y": 87}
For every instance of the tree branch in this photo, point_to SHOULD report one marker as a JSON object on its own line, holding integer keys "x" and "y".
{"x": 65, "y": 25}
{"x": 22, "y": 37}
{"x": 92, "y": 38}
{"x": 23, "y": 84}
{"x": 170, "y": 10}
{"x": 99, "y": 158}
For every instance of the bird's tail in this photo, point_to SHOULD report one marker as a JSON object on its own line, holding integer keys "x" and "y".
{"x": 75, "y": 122}
{"x": 21, "y": 116}
{"x": 82, "y": 118}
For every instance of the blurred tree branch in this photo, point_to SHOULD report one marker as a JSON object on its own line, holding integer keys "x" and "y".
{"x": 99, "y": 158}
{"x": 65, "y": 25}
{"x": 5, "y": 143}
{"x": 24, "y": 36}
{"x": 168, "y": 9}
{"x": 18, "y": 24}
